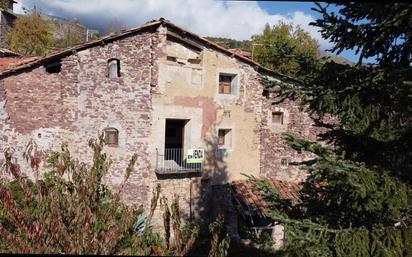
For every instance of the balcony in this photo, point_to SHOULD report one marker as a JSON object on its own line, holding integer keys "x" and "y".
{"x": 174, "y": 161}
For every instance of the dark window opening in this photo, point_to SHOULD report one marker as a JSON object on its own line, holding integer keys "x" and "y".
{"x": 174, "y": 134}
{"x": 194, "y": 61}
{"x": 171, "y": 58}
{"x": 113, "y": 66}
{"x": 225, "y": 84}
{"x": 284, "y": 162}
{"x": 54, "y": 67}
{"x": 277, "y": 117}
{"x": 221, "y": 137}
{"x": 111, "y": 136}
{"x": 174, "y": 140}
{"x": 224, "y": 138}
{"x": 265, "y": 93}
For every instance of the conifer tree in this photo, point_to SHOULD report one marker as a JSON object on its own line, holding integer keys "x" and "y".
{"x": 372, "y": 102}
{"x": 356, "y": 200}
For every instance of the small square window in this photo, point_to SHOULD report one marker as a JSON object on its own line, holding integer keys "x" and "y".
{"x": 284, "y": 162}
{"x": 112, "y": 136}
{"x": 226, "y": 84}
{"x": 224, "y": 138}
{"x": 277, "y": 117}
{"x": 171, "y": 58}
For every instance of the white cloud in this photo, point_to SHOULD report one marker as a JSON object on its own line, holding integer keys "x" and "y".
{"x": 237, "y": 20}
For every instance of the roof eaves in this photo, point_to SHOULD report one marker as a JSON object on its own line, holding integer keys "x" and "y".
{"x": 259, "y": 68}
{"x": 74, "y": 49}
{"x": 254, "y": 64}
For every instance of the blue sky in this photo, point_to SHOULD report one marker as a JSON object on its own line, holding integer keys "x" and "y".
{"x": 233, "y": 19}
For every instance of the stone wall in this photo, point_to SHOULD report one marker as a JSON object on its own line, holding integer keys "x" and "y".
{"x": 74, "y": 104}
{"x": 6, "y": 24}
{"x": 275, "y": 148}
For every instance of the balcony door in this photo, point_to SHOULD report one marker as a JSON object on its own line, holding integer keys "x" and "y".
{"x": 174, "y": 140}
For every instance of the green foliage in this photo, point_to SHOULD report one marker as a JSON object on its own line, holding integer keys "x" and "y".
{"x": 68, "y": 40}
{"x": 357, "y": 191}
{"x": 286, "y": 48}
{"x": 343, "y": 193}
{"x": 31, "y": 35}
{"x": 373, "y": 30}
{"x": 219, "y": 246}
{"x": 4, "y": 4}
{"x": 70, "y": 210}
{"x": 346, "y": 209}
{"x": 231, "y": 43}
{"x": 370, "y": 104}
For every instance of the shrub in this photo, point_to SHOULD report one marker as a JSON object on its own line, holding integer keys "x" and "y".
{"x": 70, "y": 211}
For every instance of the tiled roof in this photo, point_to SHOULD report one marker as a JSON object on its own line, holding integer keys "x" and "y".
{"x": 6, "y": 52}
{"x": 251, "y": 197}
{"x": 151, "y": 24}
{"x": 7, "y": 63}
{"x": 242, "y": 52}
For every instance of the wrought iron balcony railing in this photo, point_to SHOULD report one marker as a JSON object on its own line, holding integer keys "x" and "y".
{"x": 174, "y": 161}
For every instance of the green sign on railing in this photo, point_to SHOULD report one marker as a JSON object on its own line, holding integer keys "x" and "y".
{"x": 195, "y": 156}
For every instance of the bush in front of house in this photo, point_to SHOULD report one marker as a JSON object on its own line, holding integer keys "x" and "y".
{"x": 70, "y": 211}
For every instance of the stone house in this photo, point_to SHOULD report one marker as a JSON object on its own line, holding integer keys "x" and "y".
{"x": 196, "y": 113}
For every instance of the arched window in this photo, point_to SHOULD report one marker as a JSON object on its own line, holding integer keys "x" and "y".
{"x": 111, "y": 136}
{"x": 113, "y": 67}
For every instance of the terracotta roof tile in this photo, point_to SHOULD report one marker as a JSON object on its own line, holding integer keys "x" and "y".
{"x": 250, "y": 197}
{"x": 7, "y": 53}
{"x": 7, "y": 63}
{"x": 151, "y": 24}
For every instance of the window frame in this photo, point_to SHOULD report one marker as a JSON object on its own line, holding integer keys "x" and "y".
{"x": 111, "y": 62}
{"x": 107, "y": 132}
{"x": 223, "y": 85}
{"x": 227, "y": 142}
{"x": 284, "y": 166}
{"x": 282, "y": 117}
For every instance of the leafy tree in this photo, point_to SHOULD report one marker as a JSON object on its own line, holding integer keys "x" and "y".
{"x": 31, "y": 35}
{"x": 4, "y": 4}
{"x": 232, "y": 43}
{"x": 68, "y": 39}
{"x": 285, "y": 48}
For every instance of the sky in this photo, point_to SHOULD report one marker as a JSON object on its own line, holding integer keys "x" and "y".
{"x": 233, "y": 19}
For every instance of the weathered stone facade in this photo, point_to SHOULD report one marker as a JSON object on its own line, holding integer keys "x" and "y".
{"x": 165, "y": 73}
{"x": 74, "y": 104}
{"x": 7, "y": 19}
